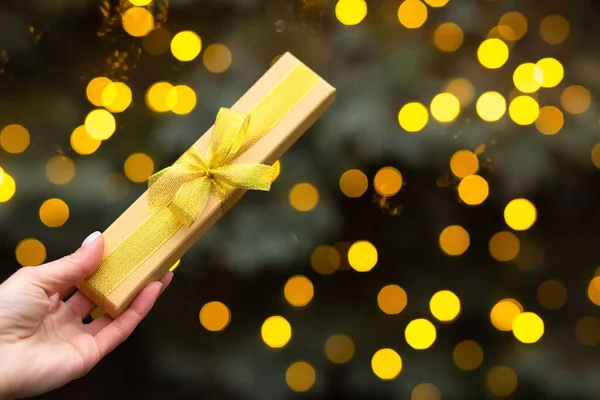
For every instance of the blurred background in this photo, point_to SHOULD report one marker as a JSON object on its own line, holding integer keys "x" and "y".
{"x": 433, "y": 236}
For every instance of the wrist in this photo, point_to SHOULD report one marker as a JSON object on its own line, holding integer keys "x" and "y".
{"x": 5, "y": 386}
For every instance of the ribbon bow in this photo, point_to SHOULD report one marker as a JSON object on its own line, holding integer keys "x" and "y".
{"x": 185, "y": 187}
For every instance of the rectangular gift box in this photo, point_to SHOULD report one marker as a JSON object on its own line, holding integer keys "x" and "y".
{"x": 113, "y": 292}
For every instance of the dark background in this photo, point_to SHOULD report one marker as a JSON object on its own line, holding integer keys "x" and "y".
{"x": 56, "y": 47}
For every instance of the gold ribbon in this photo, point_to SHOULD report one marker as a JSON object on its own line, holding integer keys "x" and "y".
{"x": 177, "y": 195}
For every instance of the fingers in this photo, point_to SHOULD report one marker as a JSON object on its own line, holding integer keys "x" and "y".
{"x": 60, "y": 275}
{"x": 110, "y": 333}
{"x": 80, "y": 305}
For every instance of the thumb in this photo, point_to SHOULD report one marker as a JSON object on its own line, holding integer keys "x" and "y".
{"x": 62, "y": 274}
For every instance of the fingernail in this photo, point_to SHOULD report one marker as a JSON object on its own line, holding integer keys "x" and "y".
{"x": 91, "y": 238}
{"x": 160, "y": 283}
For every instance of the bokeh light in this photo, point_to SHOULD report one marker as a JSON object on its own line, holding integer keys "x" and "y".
{"x": 157, "y": 42}
{"x": 276, "y": 332}
{"x": 491, "y": 106}
{"x": 137, "y": 21}
{"x": 392, "y": 299}
{"x": 138, "y": 167}
{"x": 594, "y": 290}
{"x": 215, "y": 316}
{"x": 492, "y": 53}
{"x": 157, "y": 95}
{"x": 554, "y": 29}
{"x": 217, "y": 58}
{"x": 116, "y": 97}
{"x": 412, "y": 14}
{"x": 304, "y": 197}
{"x": 425, "y": 391}
{"x": 504, "y": 246}
{"x": 552, "y": 294}
{"x": 300, "y": 376}
{"x": 277, "y": 166}
{"x": 186, "y": 45}
{"x": 351, "y": 12}
{"x": 420, "y": 334}
{"x": 575, "y": 99}
{"x": 298, "y": 291}
{"x": 82, "y": 142}
{"x": 587, "y": 331}
{"x": 448, "y": 37}
{"x": 413, "y": 116}
{"x": 516, "y": 21}
{"x": 501, "y": 381}
{"x": 14, "y": 138}
{"x": 8, "y": 187}
{"x": 553, "y": 72}
{"x": 100, "y": 124}
{"x": 504, "y": 313}
{"x": 325, "y": 260}
{"x": 174, "y": 267}
{"x": 502, "y": 32}
{"x": 464, "y": 163}
{"x": 473, "y": 190}
{"x": 386, "y": 364}
{"x": 30, "y": 252}
{"x": 524, "y": 110}
{"x": 445, "y": 306}
{"x": 468, "y": 355}
{"x": 339, "y": 349}
{"x": 528, "y": 78}
{"x": 95, "y": 88}
{"x": 54, "y": 213}
{"x": 437, "y": 3}
{"x": 528, "y": 327}
{"x": 454, "y": 240}
{"x": 445, "y": 107}
{"x": 462, "y": 89}
{"x": 181, "y": 99}
{"x": 388, "y": 181}
{"x": 520, "y": 214}
{"x": 550, "y": 121}
{"x": 60, "y": 170}
{"x": 140, "y": 2}
{"x": 596, "y": 155}
{"x": 354, "y": 183}
{"x": 362, "y": 256}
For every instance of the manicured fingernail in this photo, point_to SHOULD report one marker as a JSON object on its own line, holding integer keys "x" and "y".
{"x": 160, "y": 283}
{"x": 91, "y": 238}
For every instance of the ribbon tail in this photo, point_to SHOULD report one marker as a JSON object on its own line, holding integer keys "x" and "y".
{"x": 190, "y": 200}
{"x": 246, "y": 176}
{"x": 228, "y": 135}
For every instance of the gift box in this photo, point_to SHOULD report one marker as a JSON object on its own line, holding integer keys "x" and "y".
{"x": 184, "y": 200}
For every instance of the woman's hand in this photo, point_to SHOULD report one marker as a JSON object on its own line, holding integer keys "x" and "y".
{"x": 43, "y": 342}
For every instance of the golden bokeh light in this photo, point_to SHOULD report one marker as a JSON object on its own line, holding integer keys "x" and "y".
{"x": 100, "y": 124}
{"x": 445, "y": 306}
{"x": 491, "y": 106}
{"x": 448, "y": 37}
{"x": 550, "y": 121}
{"x": 468, "y": 355}
{"x": 587, "y": 331}
{"x": 492, "y": 53}
{"x": 445, "y": 107}
{"x": 596, "y": 155}
{"x": 186, "y": 45}
{"x": 425, "y": 391}
{"x": 54, "y": 213}
{"x": 30, "y": 252}
{"x": 116, "y": 97}
{"x": 464, "y": 163}
{"x": 392, "y": 299}
{"x": 504, "y": 313}
{"x": 413, "y": 116}
{"x": 412, "y": 14}
{"x": 454, "y": 240}
{"x": 276, "y": 332}
{"x": 594, "y": 290}
{"x": 388, "y": 181}
{"x": 362, "y": 256}
{"x": 140, "y": 2}
{"x": 524, "y": 110}
{"x": 214, "y": 316}
{"x": 138, "y": 22}
{"x": 504, "y": 246}
{"x": 298, "y": 291}
{"x": 473, "y": 190}
{"x": 138, "y": 167}
{"x": 95, "y": 88}
{"x": 351, "y": 12}
{"x": 14, "y": 138}
{"x": 502, "y": 32}
{"x": 575, "y": 99}
{"x": 174, "y": 267}
{"x": 528, "y": 78}
{"x": 520, "y": 214}
{"x": 8, "y": 187}
{"x": 528, "y": 327}
{"x": 437, "y": 3}
{"x": 462, "y": 89}
{"x": 181, "y": 99}
{"x": 552, "y": 294}
{"x": 325, "y": 260}
{"x": 217, "y": 58}
{"x": 516, "y": 21}
{"x": 60, "y": 170}
{"x": 501, "y": 381}
{"x": 420, "y": 334}
{"x": 354, "y": 183}
{"x": 82, "y": 142}
{"x": 530, "y": 256}
{"x": 157, "y": 95}
{"x": 554, "y": 29}
{"x": 553, "y": 72}
{"x": 157, "y": 42}
{"x": 277, "y": 166}
{"x": 300, "y": 376}
{"x": 386, "y": 364}
{"x": 304, "y": 197}
{"x": 339, "y": 349}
